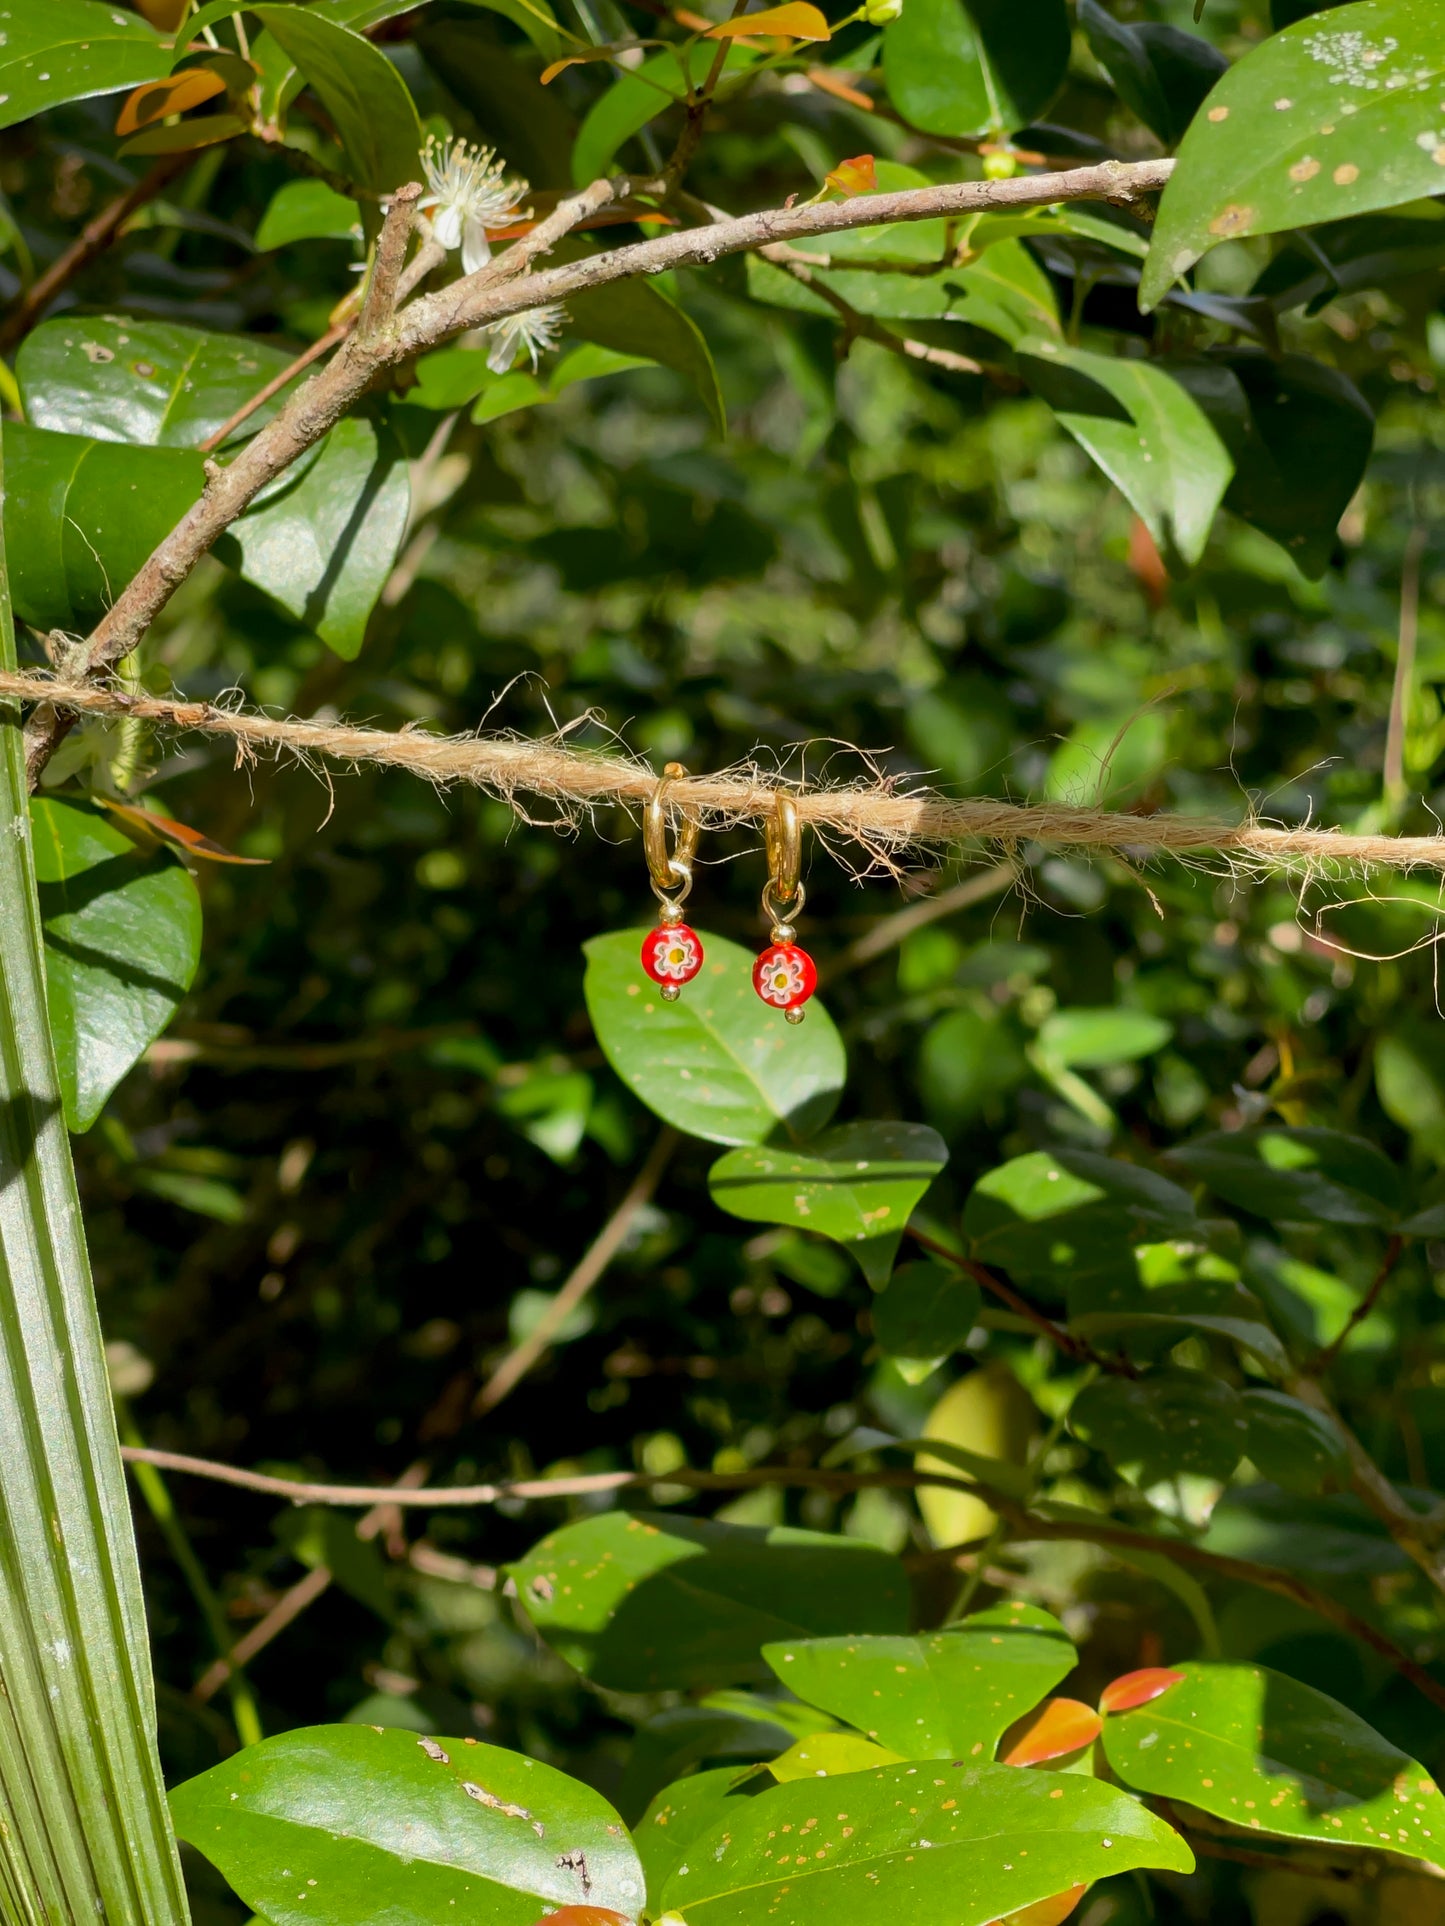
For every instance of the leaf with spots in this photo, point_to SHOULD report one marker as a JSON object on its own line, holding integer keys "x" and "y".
{"x": 143, "y": 381}
{"x": 651, "y": 1603}
{"x": 718, "y": 1063}
{"x": 58, "y": 50}
{"x": 1272, "y": 1755}
{"x": 1339, "y": 114}
{"x": 683, "y": 1812}
{"x": 941, "y": 1695}
{"x": 857, "y": 1184}
{"x": 934, "y": 1841}
{"x": 1168, "y": 1423}
{"x": 349, "y": 1823}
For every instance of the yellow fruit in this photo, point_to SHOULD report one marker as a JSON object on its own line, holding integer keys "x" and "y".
{"x": 990, "y": 1413}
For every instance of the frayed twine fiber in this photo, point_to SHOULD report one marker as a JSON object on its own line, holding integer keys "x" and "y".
{"x": 875, "y": 814}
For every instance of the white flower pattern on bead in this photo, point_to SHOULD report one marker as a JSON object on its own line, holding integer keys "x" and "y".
{"x": 675, "y": 956}
{"x": 780, "y": 981}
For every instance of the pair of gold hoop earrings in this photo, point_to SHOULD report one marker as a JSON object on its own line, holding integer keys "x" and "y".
{"x": 784, "y": 975}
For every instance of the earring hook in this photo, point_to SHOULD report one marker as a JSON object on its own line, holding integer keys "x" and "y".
{"x": 783, "y": 893}
{"x": 671, "y": 871}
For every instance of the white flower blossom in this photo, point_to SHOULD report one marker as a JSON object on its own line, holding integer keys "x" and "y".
{"x": 536, "y": 331}
{"x": 469, "y": 193}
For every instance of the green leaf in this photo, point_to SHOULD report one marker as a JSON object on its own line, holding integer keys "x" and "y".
{"x": 324, "y": 546}
{"x": 82, "y": 516}
{"x": 966, "y": 1062}
{"x": 59, "y": 50}
{"x": 1299, "y": 434}
{"x": 361, "y": 90}
{"x": 320, "y": 1537}
{"x": 82, "y": 1801}
{"x": 911, "y": 1843}
{"x": 1150, "y": 437}
{"x": 1293, "y": 1445}
{"x": 681, "y": 1813}
{"x": 1274, "y": 1756}
{"x": 1162, "y": 74}
{"x": 1098, "y": 1039}
{"x": 674, "y": 1741}
{"x": 155, "y": 382}
{"x": 945, "y": 1695}
{"x": 824, "y": 1755}
{"x": 650, "y": 1602}
{"x": 1043, "y": 1223}
{"x": 1159, "y": 1426}
{"x": 924, "y": 1316}
{"x": 1218, "y": 1306}
{"x": 1336, "y": 115}
{"x": 1005, "y": 293}
{"x": 965, "y": 67}
{"x": 1335, "y": 1537}
{"x": 718, "y": 1063}
{"x": 911, "y": 241}
{"x": 633, "y": 318}
{"x": 508, "y": 394}
{"x": 348, "y": 1823}
{"x": 1297, "y": 1176}
{"x": 307, "y": 211}
{"x": 639, "y": 97}
{"x": 122, "y": 941}
{"x": 857, "y": 1183}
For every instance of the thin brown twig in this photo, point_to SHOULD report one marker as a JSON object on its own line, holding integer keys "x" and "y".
{"x": 1024, "y": 1524}
{"x": 892, "y": 930}
{"x": 320, "y": 346}
{"x": 588, "y": 1272}
{"x": 93, "y": 239}
{"x": 863, "y": 327}
{"x": 1072, "y": 1346}
{"x": 1363, "y": 1309}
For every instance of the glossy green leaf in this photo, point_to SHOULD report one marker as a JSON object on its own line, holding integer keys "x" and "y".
{"x": 675, "y": 1740}
{"x": 1299, "y": 434}
{"x": 82, "y": 1800}
{"x": 647, "y": 1602}
{"x": 964, "y": 67}
{"x": 683, "y": 1812}
{"x": 942, "y": 1695}
{"x": 122, "y": 941}
{"x": 59, "y": 50}
{"x": 1296, "y": 1176}
{"x": 1162, "y": 73}
{"x": 324, "y": 546}
{"x": 639, "y": 97}
{"x": 348, "y": 1823}
{"x": 1098, "y": 1039}
{"x": 718, "y": 1063}
{"x": 1271, "y": 1755}
{"x": 1293, "y": 1445}
{"x": 634, "y": 318}
{"x": 361, "y": 90}
{"x": 939, "y": 1841}
{"x": 1164, "y": 1424}
{"x": 1339, "y": 114}
{"x": 967, "y": 1061}
{"x": 82, "y": 516}
{"x": 924, "y": 1316}
{"x": 1041, "y": 1222}
{"x": 1005, "y": 293}
{"x": 1150, "y": 437}
{"x": 1217, "y": 1306}
{"x": 307, "y": 211}
{"x": 857, "y": 1183}
{"x": 1154, "y": 1207}
{"x": 824, "y": 1755}
{"x": 118, "y": 379}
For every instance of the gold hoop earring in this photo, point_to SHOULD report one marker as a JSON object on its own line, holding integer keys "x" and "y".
{"x": 672, "y": 953}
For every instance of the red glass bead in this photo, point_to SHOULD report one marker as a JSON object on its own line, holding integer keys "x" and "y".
{"x": 672, "y": 956}
{"x": 785, "y": 976}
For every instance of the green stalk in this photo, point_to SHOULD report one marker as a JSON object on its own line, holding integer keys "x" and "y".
{"x": 157, "y": 1493}
{"x": 85, "y": 1834}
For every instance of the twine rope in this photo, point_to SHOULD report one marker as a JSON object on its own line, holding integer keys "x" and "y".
{"x": 877, "y": 814}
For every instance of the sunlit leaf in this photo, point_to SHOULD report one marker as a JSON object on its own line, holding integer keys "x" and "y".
{"x": 858, "y": 176}
{"x": 59, "y": 50}
{"x": 1055, "y": 1730}
{"x": 151, "y": 823}
{"x": 1137, "y": 1688}
{"x": 797, "y": 20}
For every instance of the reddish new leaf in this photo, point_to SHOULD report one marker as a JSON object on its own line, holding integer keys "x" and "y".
{"x": 856, "y": 176}
{"x": 1058, "y": 1727}
{"x": 174, "y": 95}
{"x": 186, "y": 838}
{"x": 1045, "y": 1912}
{"x": 797, "y": 20}
{"x": 595, "y": 1916}
{"x": 1137, "y": 1688}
